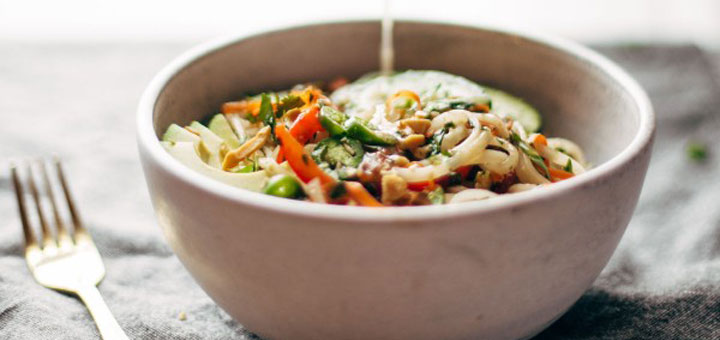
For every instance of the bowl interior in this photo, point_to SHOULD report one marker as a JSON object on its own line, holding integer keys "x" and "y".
{"x": 578, "y": 99}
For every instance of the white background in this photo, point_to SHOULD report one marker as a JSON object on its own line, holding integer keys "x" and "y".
{"x": 189, "y": 21}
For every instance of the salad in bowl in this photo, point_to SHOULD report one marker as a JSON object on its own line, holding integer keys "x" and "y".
{"x": 408, "y": 138}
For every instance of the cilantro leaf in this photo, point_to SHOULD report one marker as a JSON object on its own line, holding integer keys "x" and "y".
{"x": 266, "y": 111}
{"x": 288, "y": 103}
{"x": 437, "y": 139}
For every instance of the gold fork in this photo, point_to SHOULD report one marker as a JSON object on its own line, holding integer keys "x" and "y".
{"x": 65, "y": 262}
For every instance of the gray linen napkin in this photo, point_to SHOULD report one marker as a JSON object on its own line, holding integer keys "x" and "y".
{"x": 79, "y": 101}
{"x": 664, "y": 280}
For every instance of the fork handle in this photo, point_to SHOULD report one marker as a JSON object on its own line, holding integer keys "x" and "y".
{"x": 105, "y": 321}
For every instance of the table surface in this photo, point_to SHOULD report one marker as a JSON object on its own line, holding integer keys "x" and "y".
{"x": 79, "y": 101}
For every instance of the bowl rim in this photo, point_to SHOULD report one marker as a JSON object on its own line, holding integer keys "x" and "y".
{"x": 148, "y": 142}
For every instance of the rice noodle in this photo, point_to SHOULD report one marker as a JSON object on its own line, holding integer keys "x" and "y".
{"x": 570, "y": 148}
{"x": 520, "y": 187}
{"x": 472, "y": 195}
{"x": 527, "y": 173}
{"x": 419, "y": 174}
{"x": 467, "y": 152}
{"x": 560, "y": 159}
{"x": 495, "y": 122}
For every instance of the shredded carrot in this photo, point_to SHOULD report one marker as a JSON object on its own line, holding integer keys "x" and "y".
{"x": 402, "y": 94}
{"x": 235, "y": 107}
{"x": 559, "y": 175}
{"x": 244, "y": 106}
{"x": 360, "y": 195}
{"x": 302, "y": 164}
{"x": 309, "y": 95}
{"x": 540, "y": 139}
{"x": 305, "y": 126}
{"x": 480, "y": 108}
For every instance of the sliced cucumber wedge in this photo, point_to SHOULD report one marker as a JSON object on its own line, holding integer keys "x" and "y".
{"x": 516, "y": 108}
{"x": 186, "y": 154}
{"x": 213, "y": 143}
{"x": 175, "y": 133}
{"x": 221, "y": 127}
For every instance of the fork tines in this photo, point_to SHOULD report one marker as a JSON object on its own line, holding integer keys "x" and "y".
{"x": 37, "y": 182}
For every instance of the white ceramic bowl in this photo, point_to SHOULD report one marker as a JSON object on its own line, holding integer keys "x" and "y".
{"x": 501, "y": 269}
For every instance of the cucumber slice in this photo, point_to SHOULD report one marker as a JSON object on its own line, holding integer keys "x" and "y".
{"x": 516, "y": 108}
{"x": 186, "y": 154}
{"x": 175, "y": 134}
{"x": 212, "y": 142}
{"x": 221, "y": 127}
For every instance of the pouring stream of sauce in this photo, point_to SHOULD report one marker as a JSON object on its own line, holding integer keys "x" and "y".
{"x": 387, "y": 54}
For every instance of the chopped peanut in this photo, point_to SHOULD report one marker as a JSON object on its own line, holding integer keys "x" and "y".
{"x": 411, "y": 142}
{"x": 393, "y": 189}
{"x": 234, "y": 157}
{"x": 417, "y": 125}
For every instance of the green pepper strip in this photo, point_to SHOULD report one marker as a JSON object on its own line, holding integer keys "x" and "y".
{"x": 359, "y": 130}
{"x": 332, "y": 120}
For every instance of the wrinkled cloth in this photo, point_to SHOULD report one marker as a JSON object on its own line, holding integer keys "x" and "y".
{"x": 79, "y": 101}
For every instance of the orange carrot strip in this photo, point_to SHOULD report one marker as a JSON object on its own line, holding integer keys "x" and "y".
{"x": 540, "y": 139}
{"x": 302, "y": 164}
{"x": 235, "y": 107}
{"x": 357, "y": 193}
{"x": 559, "y": 175}
{"x": 244, "y": 106}
{"x": 306, "y": 125}
{"x": 480, "y": 108}
{"x": 402, "y": 93}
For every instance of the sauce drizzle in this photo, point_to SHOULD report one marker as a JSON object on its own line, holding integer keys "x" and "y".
{"x": 387, "y": 54}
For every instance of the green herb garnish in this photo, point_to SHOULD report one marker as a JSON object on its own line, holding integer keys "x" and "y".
{"x": 568, "y": 166}
{"x": 288, "y": 103}
{"x": 437, "y": 139}
{"x": 536, "y": 159}
{"x": 696, "y": 151}
{"x": 266, "y": 113}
